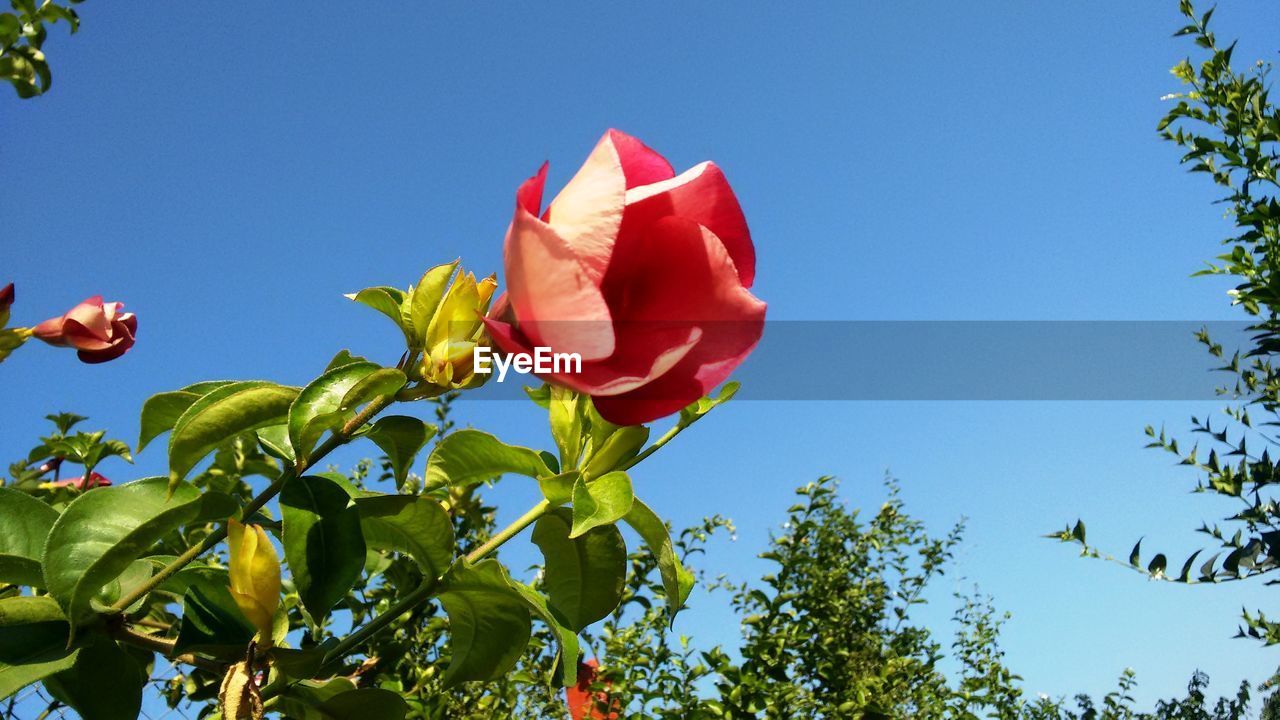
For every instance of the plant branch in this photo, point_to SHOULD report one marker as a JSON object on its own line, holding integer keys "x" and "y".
{"x": 337, "y": 439}
{"x": 164, "y": 646}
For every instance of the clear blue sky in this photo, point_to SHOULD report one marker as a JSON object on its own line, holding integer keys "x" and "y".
{"x": 230, "y": 171}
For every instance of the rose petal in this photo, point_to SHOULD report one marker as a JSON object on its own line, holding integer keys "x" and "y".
{"x": 92, "y": 316}
{"x": 588, "y": 211}
{"x": 556, "y": 301}
{"x": 703, "y": 195}
{"x": 702, "y": 289}
{"x": 641, "y": 165}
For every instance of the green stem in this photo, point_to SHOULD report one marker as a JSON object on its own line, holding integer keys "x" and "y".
{"x": 508, "y": 532}
{"x": 336, "y": 440}
{"x": 666, "y": 438}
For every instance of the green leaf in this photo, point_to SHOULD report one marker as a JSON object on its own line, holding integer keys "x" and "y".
{"x": 426, "y": 297}
{"x": 409, "y": 524}
{"x": 344, "y": 357}
{"x": 212, "y": 623}
{"x": 221, "y": 415}
{"x": 565, "y": 637}
{"x": 104, "y": 683}
{"x": 301, "y": 663}
{"x": 584, "y": 576}
{"x": 701, "y": 407}
{"x": 489, "y": 623}
{"x": 677, "y": 582}
{"x": 274, "y": 440}
{"x": 318, "y": 408}
{"x": 401, "y": 437}
{"x": 566, "y": 425}
{"x": 621, "y": 445}
{"x": 161, "y": 411}
{"x": 33, "y": 642}
{"x": 470, "y": 456}
{"x": 381, "y": 383}
{"x": 558, "y": 489}
{"x": 365, "y": 704}
{"x": 388, "y": 301}
{"x": 102, "y": 532}
{"x": 602, "y": 501}
{"x": 322, "y": 541}
{"x": 26, "y": 522}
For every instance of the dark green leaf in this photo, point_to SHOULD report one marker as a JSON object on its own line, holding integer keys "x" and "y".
{"x": 322, "y": 541}
{"x": 212, "y": 623}
{"x": 409, "y": 524}
{"x": 33, "y": 642}
{"x": 584, "y": 576}
{"x": 401, "y": 437}
{"x": 489, "y": 621}
{"x": 104, "y": 683}
{"x": 161, "y": 412}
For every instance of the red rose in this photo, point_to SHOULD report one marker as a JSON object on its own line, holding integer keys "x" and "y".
{"x": 582, "y": 702}
{"x": 642, "y": 273}
{"x": 99, "y": 331}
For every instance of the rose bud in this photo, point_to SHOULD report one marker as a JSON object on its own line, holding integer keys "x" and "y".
{"x": 98, "y": 331}
{"x": 80, "y": 483}
{"x": 6, "y": 302}
{"x": 456, "y": 328}
{"x": 640, "y": 272}
{"x": 254, "y": 576}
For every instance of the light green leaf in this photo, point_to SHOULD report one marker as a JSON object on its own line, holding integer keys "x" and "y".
{"x": 318, "y": 408}
{"x": 426, "y": 297}
{"x": 584, "y": 576}
{"x": 566, "y": 425}
{"x": 401, "y": 437}
{"x": 620, "y": 446}
{"x": 470, "y": 456}
{"x": 602, "y": 501}
{"x": 33, "y": 642}
{"x": 322, "y": 541}
{"x": 676, "y": 580}
{"x": 161, "y": 411}
{"x": 344, "y": 357}
{"x": 489, "y": 623}
{"x": 104, "y": 683}
{"x": 274, "y": 440}
{"x": 102, "y": 532}
{"x": 558, "y": 489}
{"x": 409, "y": 524}
{"x": 379, "y": 384}
{"x": 388, "y": 301}
{"x": 222, "y": 414}
{"x": 26, "y": 522}
{"x": 701, "y": 407}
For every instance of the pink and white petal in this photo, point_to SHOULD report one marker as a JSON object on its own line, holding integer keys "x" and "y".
{"x": 92, "y": 316}
{"x": 588, "y": 211}
{"x": 641, "y": 164}
{"x": 621, "y": 373}
{"x": 703, "y": 195}
{"x": 82, "y": 338}
{"x": 556, "y": 301}
{"x": 50, "y": 331}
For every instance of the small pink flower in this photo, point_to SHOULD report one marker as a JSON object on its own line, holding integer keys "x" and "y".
{"x": 584, "y": 704}
{"x": 80, "y": 483}
{"x": 98, "y": 331}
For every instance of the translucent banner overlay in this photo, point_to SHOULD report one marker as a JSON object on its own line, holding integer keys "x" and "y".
{"x": 972, "y": 360}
